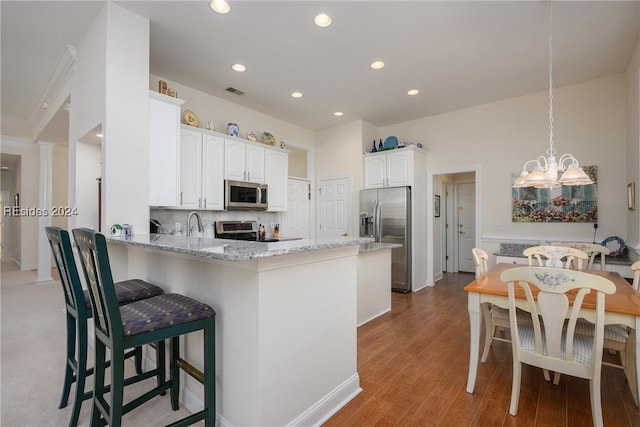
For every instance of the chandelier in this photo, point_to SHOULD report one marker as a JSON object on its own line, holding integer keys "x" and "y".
{"x": 546, "y": 169}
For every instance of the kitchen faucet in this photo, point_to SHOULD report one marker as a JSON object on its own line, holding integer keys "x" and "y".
{"x": 198, "y": 222}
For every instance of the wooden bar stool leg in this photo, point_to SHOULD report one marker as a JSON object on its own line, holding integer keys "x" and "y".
{"x": 117, "y": 388}
{"x": 161, "y": 363}
{"x": 98, "y": 386}
{"x": 210, "y": 372}
{"x": 71, "y": 354}
{"x": 138, "y": 359}
{"x": 174, "y": 372}
{"x": 81, "y": 373}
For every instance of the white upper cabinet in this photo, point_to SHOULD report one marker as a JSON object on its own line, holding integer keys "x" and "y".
{"x": 212, "y": 172}
{"x": 389, "y": 169}
{"x": 201, "y": 171}
{"x": 164, "y": 149}
{"x": 277, "y": 174}
{"x": 243, "y": 161}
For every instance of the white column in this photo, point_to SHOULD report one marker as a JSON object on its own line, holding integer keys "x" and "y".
{"x": 44, "y": 203}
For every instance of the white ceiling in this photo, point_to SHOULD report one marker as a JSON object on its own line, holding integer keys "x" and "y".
{"x": 458, "y": 54}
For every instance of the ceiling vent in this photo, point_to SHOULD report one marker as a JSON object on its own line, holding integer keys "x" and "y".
{"x": 234, "y": 91}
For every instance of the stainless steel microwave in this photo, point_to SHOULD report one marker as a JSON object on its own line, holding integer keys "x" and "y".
{"x": 240, "y": 195}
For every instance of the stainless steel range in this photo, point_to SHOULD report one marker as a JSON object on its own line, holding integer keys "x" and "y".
{"x": 242, "y": 230}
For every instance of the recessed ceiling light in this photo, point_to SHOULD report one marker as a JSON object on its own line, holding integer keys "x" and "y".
{"x": 377, "y": 65}
{"x": 220, "y": 6}
{"x": 99, "y": 135}
{"x": 239, "y": 68}
{"x": 413, "y": 92}
{"x": 338, "y": 114}
{"x": 322, "y": 20}
{"x": 296, "y": 95}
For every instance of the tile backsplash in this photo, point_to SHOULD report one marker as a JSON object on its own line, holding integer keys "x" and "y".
{"x": 169, "y": 217}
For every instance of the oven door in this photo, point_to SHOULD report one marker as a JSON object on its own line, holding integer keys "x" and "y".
{"x": 244, "y": 195}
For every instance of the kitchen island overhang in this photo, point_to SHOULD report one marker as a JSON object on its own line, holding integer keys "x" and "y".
{"x": 286, "y": 342}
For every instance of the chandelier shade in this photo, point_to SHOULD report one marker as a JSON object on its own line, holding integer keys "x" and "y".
{"x": 546, "y": 170}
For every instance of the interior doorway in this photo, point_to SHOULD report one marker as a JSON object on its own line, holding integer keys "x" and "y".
{"x": 334, "y": 206}
{"x": 444, "y": 242}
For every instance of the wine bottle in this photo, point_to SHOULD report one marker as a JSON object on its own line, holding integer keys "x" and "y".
{"x": 380, "y": 145}
{"x": 373, "y": 149}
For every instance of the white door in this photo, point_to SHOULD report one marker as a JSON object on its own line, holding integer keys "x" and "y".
{"x": 466, "y": 225}
{"x": 255, "y": 164}
{"x": 375, "y": 171}
{"x": 334, "y": 201}
{"x": 296, "y": 219}
{"x": 276, "y": 177}
{"x": 399, "y": 168}
{"x": 235, "y": 160}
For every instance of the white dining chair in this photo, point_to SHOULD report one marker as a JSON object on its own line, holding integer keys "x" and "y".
{"x": 551, "y": 343}
{"x": 635, "y": 267}
{"x": 495, "y": 318}
{"x": 591, "y": 249}
{"x": 556, "y": 256}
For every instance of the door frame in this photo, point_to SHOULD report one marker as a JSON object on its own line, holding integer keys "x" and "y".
{"x": 431, "y": 235}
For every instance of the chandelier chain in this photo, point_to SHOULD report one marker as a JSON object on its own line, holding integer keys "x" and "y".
{"x": 551, "y": 151}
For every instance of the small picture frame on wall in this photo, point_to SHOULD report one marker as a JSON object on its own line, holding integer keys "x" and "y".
{"x": 631, "y": 196}
{"x": 436, "y": 206}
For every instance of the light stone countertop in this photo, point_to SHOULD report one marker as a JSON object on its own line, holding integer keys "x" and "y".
{"x": 376, "y": 246}
{"x": 515, "y": 250}
{"x": 235, "y": 250}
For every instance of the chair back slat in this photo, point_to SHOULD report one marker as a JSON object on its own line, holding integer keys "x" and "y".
{"x": 556, "y": 256}
{"x": 62, "y": 251}
{"x": 95, "y": 265}
{"x": 591, "y": 249}
{"x": 552, "y": 308}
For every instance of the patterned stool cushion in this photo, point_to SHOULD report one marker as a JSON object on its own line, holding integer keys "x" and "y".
{"x": 129, "y": 291}
{"x": 161, "y": 312}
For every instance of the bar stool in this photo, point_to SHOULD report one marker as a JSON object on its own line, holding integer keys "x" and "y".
{"x": 78, "y": 311}
{"x": 158, "y": 318}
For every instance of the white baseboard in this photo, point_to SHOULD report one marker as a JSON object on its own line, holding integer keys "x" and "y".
{"x": 315, "y": 415}
{"x": 373, "y": 317}
{"x": 323, "y": 409}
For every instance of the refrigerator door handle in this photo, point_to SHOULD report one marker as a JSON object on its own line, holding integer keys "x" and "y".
{"x": 378, "y": 230}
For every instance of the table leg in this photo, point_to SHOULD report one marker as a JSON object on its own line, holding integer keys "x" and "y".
{"x": 475, "y": 320}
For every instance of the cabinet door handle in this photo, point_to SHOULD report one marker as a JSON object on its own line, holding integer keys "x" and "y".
{"x": 205, "y": 203}
{"x": 248, "y": 176}
{"x": 199, "y": 202}
{"x": 181, "y": 198}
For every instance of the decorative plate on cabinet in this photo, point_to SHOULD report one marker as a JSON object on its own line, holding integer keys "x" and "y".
{"x": 190, "y": 118}
{"x": 391, "y": 142}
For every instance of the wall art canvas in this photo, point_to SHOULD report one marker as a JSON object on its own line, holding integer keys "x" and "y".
{"x": 567, "y": 203}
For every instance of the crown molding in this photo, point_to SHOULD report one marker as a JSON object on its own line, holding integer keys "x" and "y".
{"x": 55, "y": 92}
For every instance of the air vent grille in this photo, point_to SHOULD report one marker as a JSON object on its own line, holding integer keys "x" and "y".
{"x": 234, "y": 91}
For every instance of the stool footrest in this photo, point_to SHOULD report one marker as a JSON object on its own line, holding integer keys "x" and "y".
{"x": 192, "y": 419}
{"x": 145, "y": 397}
{"x": 191, "y": 370}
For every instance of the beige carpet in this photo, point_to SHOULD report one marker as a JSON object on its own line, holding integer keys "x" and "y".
{"x": 32, "y": 359}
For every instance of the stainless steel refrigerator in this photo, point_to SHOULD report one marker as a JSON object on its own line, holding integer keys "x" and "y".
{"x": 385, "y": 214}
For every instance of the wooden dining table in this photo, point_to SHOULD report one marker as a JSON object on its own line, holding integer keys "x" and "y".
{"x": 622, "y": 307}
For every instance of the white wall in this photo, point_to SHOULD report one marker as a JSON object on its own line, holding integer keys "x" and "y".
{"x": 589, "y": 122}
{"x": 110, "y": 91}
{"x": 220, "y": 112}
{"x": 87, "y": 111}
{"x": 339, "y": 152}
{"x": 633, "y": 142}
{"x": 25, "y": 228}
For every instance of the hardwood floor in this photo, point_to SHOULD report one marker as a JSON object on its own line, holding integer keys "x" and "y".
{"x": 413, "y": 365}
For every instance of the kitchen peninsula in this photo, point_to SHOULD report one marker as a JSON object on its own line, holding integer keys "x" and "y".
{"x": 286, "y": 319}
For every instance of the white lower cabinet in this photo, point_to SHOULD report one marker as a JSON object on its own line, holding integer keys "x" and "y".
{"x": 201, "y": 171}
{"x": 276, "y": 177}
